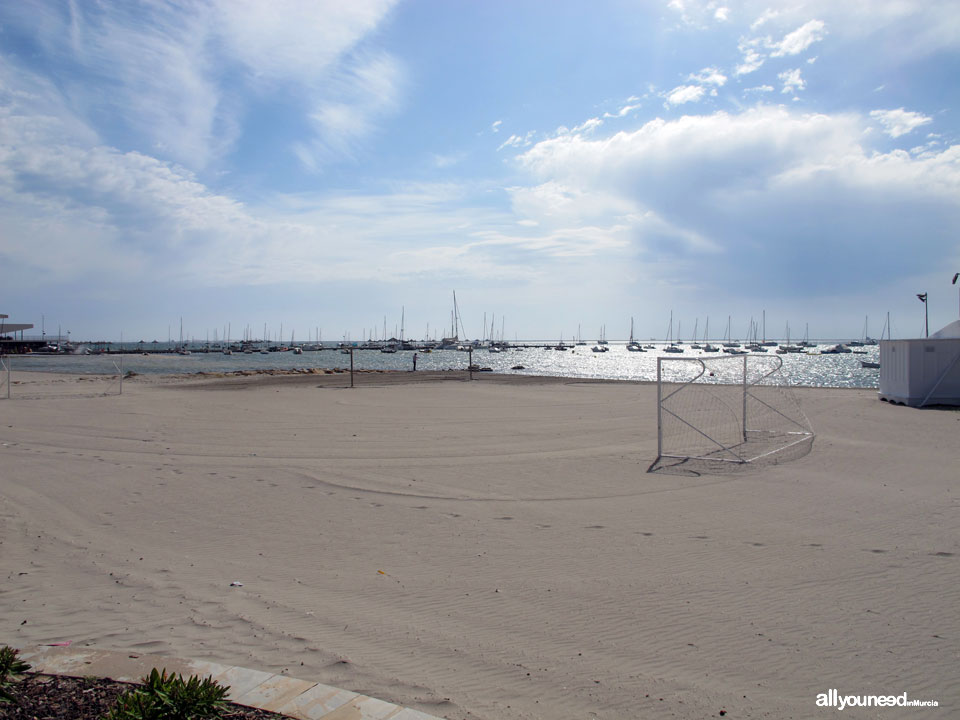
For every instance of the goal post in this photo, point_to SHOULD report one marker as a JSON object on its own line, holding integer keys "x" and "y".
{"x": 4, "y": 377}
{"x": 728, "y": 408}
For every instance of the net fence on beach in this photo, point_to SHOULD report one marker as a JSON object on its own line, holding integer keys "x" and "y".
{"x": 727, "y": 409}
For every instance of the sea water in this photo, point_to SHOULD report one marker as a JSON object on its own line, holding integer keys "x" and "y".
{"x": 840, "y": 370}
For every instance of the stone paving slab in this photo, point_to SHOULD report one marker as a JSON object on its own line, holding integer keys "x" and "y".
{"x": 317, "y": 702}
{"x": 296, "y": 698}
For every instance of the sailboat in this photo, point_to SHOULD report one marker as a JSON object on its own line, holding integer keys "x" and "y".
{"x": 633, "y": 345}
{"x": 601, "y": 346}
{"x": 671, "y": 346}
{"x": 727, "y": 342}
{"x": 452, "y": 342}
{"x": 788, "y": 348}
{"x": 182, "y": 349}
{"x": 695, "y": 345}
{"x": 708, "y": 347}
{"x": 765, "y": 342}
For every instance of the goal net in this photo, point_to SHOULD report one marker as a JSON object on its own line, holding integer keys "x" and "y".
{"x": 730, "y": 409}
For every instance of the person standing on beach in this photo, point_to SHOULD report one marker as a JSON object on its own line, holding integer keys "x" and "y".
{"x": 415, "y": 362}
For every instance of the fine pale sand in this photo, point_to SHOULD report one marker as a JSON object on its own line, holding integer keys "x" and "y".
{"x": 494, "y": 549}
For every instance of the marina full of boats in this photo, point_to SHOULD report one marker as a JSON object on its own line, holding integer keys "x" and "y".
{"x": 804, "y": 363}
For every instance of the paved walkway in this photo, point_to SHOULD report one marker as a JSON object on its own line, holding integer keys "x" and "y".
{"x": 297, "y": 698}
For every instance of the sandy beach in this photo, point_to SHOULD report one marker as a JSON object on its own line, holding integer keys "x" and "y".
{"x": 487, "y": 550}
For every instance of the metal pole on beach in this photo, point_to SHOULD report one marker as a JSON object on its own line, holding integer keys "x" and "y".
{"x": 659, "y": 410}
{"x": 745, "y": 397}
{"x": 954, "y": 282}
{"x": 351, "y": 367}
{"x": 926, "y": 314}
{"x": 470, "y": 360}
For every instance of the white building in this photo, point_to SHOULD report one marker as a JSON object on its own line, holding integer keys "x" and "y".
{"x": 925, "y": 371}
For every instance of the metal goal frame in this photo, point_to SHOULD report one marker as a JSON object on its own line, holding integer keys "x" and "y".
{"x": 727, "y": 452}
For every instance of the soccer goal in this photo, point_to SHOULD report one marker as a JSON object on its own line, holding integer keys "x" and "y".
{"x": 730, "y": 408}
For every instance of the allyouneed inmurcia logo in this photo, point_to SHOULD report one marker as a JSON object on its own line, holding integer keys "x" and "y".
{"x": 833, "y": 698}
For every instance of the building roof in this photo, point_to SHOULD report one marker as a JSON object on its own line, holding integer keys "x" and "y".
{"x": 949, "y": 332}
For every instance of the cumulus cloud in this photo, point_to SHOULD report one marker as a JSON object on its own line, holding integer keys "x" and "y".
{"x": 800, "y": 39}
{"x": 698, "y": 13}
{"x": 899, "y": 122}
{"x": 709, "y": 76}
{"x": 736, "y": 185}
{"x": 753, "y": 59}
{"x": 495, "y": 126}
{"x": 75, "y": 210}
{"x": 684, "y": 94}
{"x": 792, "y": 81}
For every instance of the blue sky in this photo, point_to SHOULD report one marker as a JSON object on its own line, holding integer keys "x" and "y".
{"x": 562, "y": 164}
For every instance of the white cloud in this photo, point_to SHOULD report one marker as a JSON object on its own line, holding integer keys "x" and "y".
{"x": 624, "y": 111}
{"x": 766, "y": 15}
{"x": 496, "y": 125}
{"x": 709, "y": 76}
{"x": 684, "y": 94}
{"x": 752, "y": 58}
{"x": 697, "y": 13}
{"x": 517, "y": 141}
{"x": 75, "y": 212}
{"x": 792, "y": 81}
{"x": 899, "y": 122}
{"x": 294, "y": 39}
{"x": 445, "y": 161}
{"x": 761, "y": 88}
{"x": 173, "y": 75}
{"x": 800, "y": 39}
{"x": 588, "y": 125}
{"x": 730, "y": 185}
{"x": 368, "y": 89}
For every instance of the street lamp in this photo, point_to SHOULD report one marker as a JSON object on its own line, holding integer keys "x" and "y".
{"x": 926, "y": 314}
{"x": 954, "y": 281}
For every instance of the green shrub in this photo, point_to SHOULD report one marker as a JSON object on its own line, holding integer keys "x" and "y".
{"x": 10, "y": 664}
{"x": 170, "y": 697}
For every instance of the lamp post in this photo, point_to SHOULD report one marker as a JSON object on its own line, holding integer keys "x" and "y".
{"x": 926, "y": 314}
{"x": 954, "y": 281}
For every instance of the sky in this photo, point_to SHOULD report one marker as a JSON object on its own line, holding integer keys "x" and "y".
{"x": 336, "y": 168}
